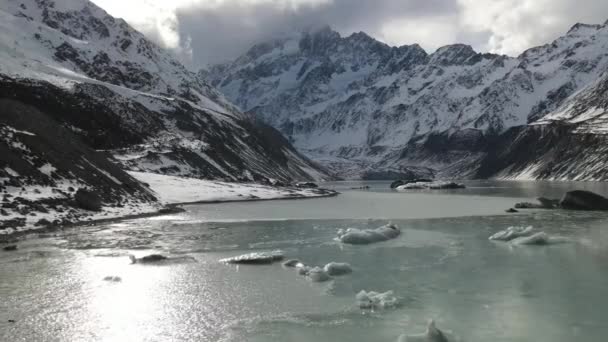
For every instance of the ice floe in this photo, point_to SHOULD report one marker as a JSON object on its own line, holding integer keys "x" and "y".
{"x": 302, "y": 269}
{"x": 376, "y": 300}
{"x": 356, "y": 236}
{"x": 540, "y": 238}
{"x": 430, "y": 186}
{"x": 291, "y": 263}
{"x": 317, "y": 275}
{"x": 337, "y": 268}
{"x": 512, "y": 233}
{"x": 256, "y": 258}
{"x": 527, "y": 236}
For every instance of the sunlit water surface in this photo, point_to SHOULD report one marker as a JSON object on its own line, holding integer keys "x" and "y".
{"x": 442, "y": 267}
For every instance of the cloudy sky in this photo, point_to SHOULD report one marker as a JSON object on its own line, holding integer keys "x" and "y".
{"x": 212, "y": 31}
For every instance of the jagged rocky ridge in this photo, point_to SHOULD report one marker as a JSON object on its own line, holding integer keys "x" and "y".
{"x": 366, "y": 109}
{"x": 84, "y": 97}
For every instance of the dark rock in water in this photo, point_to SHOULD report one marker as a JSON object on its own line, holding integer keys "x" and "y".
{"x": 113, "y": 279}
{"x": 148, "y": 259}
{"x": 11, "y": 321}
{"x": 528, "y": 205}
{"x": 307, "y": 185}
{"x": 583, "y": 200}
{"x": 548, "y": 203}
{"x": 10, "y": 248}
{"x": 153, "y": 258}
{"x": 511, "y": 210}
{"x": 87, "y": 200}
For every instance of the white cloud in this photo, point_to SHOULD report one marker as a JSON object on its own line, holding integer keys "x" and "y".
{"x": 515, "y": 25}
{"x": 428, "y": 34}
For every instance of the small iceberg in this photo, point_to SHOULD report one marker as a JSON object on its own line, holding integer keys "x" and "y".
{"x": 337, "y": 268}
{"x": 376, "y": 300}
{"x": 291, "y": 263}
{"x": 430, "y": 186}
{"x": 356, "y": 236}
{"x": 527, "y": 236}
{"x": 257, "y": 258}
{"x": 303, "y": 269}
{"x": 432, "y": 334}
{"x": 317, "y": 275}
{"x": 540, "y": 239}
{"x": 512, "y": 233}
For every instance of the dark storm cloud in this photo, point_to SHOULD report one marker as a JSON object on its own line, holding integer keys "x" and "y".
{"x": 228, "y": 30}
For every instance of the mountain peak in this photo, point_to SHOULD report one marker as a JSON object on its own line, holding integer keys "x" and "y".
{"x": 317, "y": 41}
{"x": 581, "y": 27}
{"x": 453, "y": 54}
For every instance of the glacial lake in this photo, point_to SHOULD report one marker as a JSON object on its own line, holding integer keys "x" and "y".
{"x": 442, "y": 267}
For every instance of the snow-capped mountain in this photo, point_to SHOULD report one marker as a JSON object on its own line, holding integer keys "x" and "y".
{"x": 362, "y": 107}
{"x": 119, "y": 92}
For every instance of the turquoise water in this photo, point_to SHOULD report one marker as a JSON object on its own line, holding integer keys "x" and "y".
{"x": 442, "y": 267}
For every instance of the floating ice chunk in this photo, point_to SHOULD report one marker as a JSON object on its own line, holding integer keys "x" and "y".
{"x": 432, "y": 334}
{"x": 512, "y": 233}
{"x": 355, "y": 236}
{"x": 541, "y": 238}
{"x": 337, "y": 268}
{"x": 303, "y": 269}
{"x": 430, "y": 186}
{"x": 376, "y": 300}
{"x": 317, "y": 275}
{"x": 257, "y": 258}
{"x": 291, "y": 263}
{"x": 537, "y": 239}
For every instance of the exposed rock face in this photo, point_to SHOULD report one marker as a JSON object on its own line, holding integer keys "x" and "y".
{"x": 360, "y": 106}
{"x": 583, "y": 200}
{"x": 41, "y": 162}
{"x": 87, "y": 200}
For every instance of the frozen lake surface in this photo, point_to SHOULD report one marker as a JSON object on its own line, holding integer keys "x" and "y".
{"x": 441, "y": 267}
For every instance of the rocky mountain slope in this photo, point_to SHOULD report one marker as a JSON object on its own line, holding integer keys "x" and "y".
{"x": 115, "y": 89}
{"x": 366, "y": 109}
{"x": 84, "y": 97}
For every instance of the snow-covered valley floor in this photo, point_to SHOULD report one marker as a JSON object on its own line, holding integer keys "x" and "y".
{"x": 173, "y": 190}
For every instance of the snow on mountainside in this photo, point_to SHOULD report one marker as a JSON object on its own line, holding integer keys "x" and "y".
{"x": 360, "y": 106}
{"x": 120, "y": 92}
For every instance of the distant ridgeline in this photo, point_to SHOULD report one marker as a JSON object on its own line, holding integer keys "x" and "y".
{"x": 365, "y": 109}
